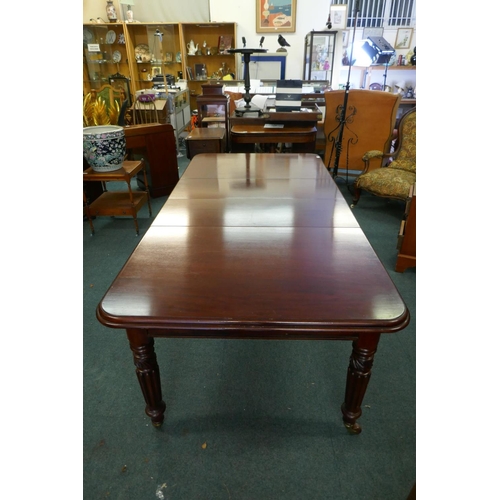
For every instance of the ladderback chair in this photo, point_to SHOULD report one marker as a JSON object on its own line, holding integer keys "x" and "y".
{"x": 370, "y": 119}
{"x": 395, "y": 179}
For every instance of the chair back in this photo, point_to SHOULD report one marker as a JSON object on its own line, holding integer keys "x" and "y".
{"x": 369, "y": 124}
{"x": 405, "y": 156}
{"x": 102, "y": 106}
{"x": 144, "y": 110}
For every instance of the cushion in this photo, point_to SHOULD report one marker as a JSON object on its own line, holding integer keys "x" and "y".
{"x": 387, "y": 182}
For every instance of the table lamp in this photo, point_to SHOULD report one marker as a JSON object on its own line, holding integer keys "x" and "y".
{"x": 128, "y": 15}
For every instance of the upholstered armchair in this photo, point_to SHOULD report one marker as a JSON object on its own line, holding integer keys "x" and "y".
{"x": 395, "y": 179}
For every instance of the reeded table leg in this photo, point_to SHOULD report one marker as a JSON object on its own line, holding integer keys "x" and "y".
{"x": 148, "y": 374}
{"x": 358, "y": 376}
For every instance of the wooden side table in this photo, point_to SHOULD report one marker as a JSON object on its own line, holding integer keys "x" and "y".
{"x": 205, "y": 140}
{"x": 117, "y": 202}
{"x": 407, "y": 239}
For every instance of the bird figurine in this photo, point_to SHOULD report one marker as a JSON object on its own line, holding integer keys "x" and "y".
{"x": 244, "y": 40}
{"x": 283, "y": 43}
{"x": 261, "y": 41}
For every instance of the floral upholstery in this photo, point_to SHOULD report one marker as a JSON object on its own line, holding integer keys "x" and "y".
{"x": 394, "y": 180}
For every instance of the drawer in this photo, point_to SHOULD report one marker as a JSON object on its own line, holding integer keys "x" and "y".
{"x": 196, "y": 147}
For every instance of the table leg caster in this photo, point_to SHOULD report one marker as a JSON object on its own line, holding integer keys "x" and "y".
{"x": 353, "y": 428}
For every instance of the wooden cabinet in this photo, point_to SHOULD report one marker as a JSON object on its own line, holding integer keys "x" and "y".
{"x": 154, "y": 52}
{"x": 205, "y": 140}
{"x": 210, "y": 61}
{"x": 104, "y": 54}
{"x": 407, "y": 238}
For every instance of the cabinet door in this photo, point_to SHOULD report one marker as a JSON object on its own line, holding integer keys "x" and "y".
{"x": 154, "y": 54}
{"x": 104, "y": 54}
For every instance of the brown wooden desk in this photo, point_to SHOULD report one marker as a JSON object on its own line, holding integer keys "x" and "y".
{"x": 299, "y": 129}
{"x": 157, "y": 141}
{"x": 255, "y": 246}
{"x": 303, "y": 139}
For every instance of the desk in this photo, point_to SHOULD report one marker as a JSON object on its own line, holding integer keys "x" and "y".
{"x": 255, "y": 246}
{"x": 158, "y": 143}
{"x": 299, "y": 129}
{"x": 303, "y": 139}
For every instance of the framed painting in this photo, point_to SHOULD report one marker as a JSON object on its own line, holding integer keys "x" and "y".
{"x": 403, "y": 38}
{"x": 338, "y": 17}
{"x": 375, "y": 32}
{"x": 276, "y": 16}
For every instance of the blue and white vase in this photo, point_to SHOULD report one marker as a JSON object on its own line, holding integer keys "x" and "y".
{"x": 104, "y": 147}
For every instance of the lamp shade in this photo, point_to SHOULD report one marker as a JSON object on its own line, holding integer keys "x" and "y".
{"x": 127, "y": 2}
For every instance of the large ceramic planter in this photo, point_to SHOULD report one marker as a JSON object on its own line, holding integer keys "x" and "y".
{"x": 104, "y": 147}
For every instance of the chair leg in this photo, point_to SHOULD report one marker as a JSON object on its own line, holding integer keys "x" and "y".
{"x": 357, "y": 194}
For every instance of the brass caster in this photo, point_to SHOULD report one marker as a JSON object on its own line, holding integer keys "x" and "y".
{"x": 157, "y": 425}
{"x": 353, "y": 428}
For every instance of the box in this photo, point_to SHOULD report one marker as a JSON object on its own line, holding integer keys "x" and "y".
{"x": 288, "y": 95}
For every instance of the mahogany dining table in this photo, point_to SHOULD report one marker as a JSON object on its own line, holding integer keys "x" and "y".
{"x": 255, "y": 246}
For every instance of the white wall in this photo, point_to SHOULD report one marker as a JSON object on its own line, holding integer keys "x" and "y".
{"x": 311, "y": 15}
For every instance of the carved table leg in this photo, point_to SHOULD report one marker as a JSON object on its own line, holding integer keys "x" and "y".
{"x": 148, "y": 374}
{"x": 358, "y": 376}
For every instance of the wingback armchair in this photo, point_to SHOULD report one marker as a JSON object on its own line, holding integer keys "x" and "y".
{"x": 369, "y": 124}
{"x": 394, "y": 180}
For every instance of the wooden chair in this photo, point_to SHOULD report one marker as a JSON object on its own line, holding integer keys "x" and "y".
{"x": 370, "y": 121}
{"x": 102, "y": 106}
{"x": 395, "y": 179}
{"x": 144, "y": 111}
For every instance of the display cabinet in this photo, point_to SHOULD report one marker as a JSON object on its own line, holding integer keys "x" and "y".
{"x": 319, "y": 51}
{"x": 154, "y": 53}
{"x": 104, "y": 55}
{"x": 204, "y": 48}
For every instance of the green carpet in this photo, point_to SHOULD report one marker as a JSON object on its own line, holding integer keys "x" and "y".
{"x": 252, "y": 420}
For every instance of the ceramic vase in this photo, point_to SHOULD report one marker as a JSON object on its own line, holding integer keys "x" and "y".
{"x": 104, "y": 147}
{"x": 111, "y": 11}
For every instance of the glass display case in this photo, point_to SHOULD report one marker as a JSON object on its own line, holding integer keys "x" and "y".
{"x": 104, "y": 55}
{"x": 154, "y": 53}
{"x": 319, "y": 51}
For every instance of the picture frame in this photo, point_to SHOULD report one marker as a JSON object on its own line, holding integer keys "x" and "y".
{"x": 338, "y": 17}
{"x": 225, "y": 43}
{"x": 276, "y": 16}
{"x": 121, "y": 83}
{"x": 345, "y": 38}
{"x": 200, "y": 71}
{"x": 375, "y": 32}
{"x": 403, "y": 38}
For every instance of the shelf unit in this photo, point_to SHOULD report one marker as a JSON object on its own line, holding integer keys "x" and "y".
{"x": 104, "y": 54}
{"x": 161, "y": 55}
{"x": 207, "y": 34}
{"x": 363, "y": 77}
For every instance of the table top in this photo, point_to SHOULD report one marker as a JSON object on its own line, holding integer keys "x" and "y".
{"x": 127, "y": 171}
{"x": 255, "y": 246}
